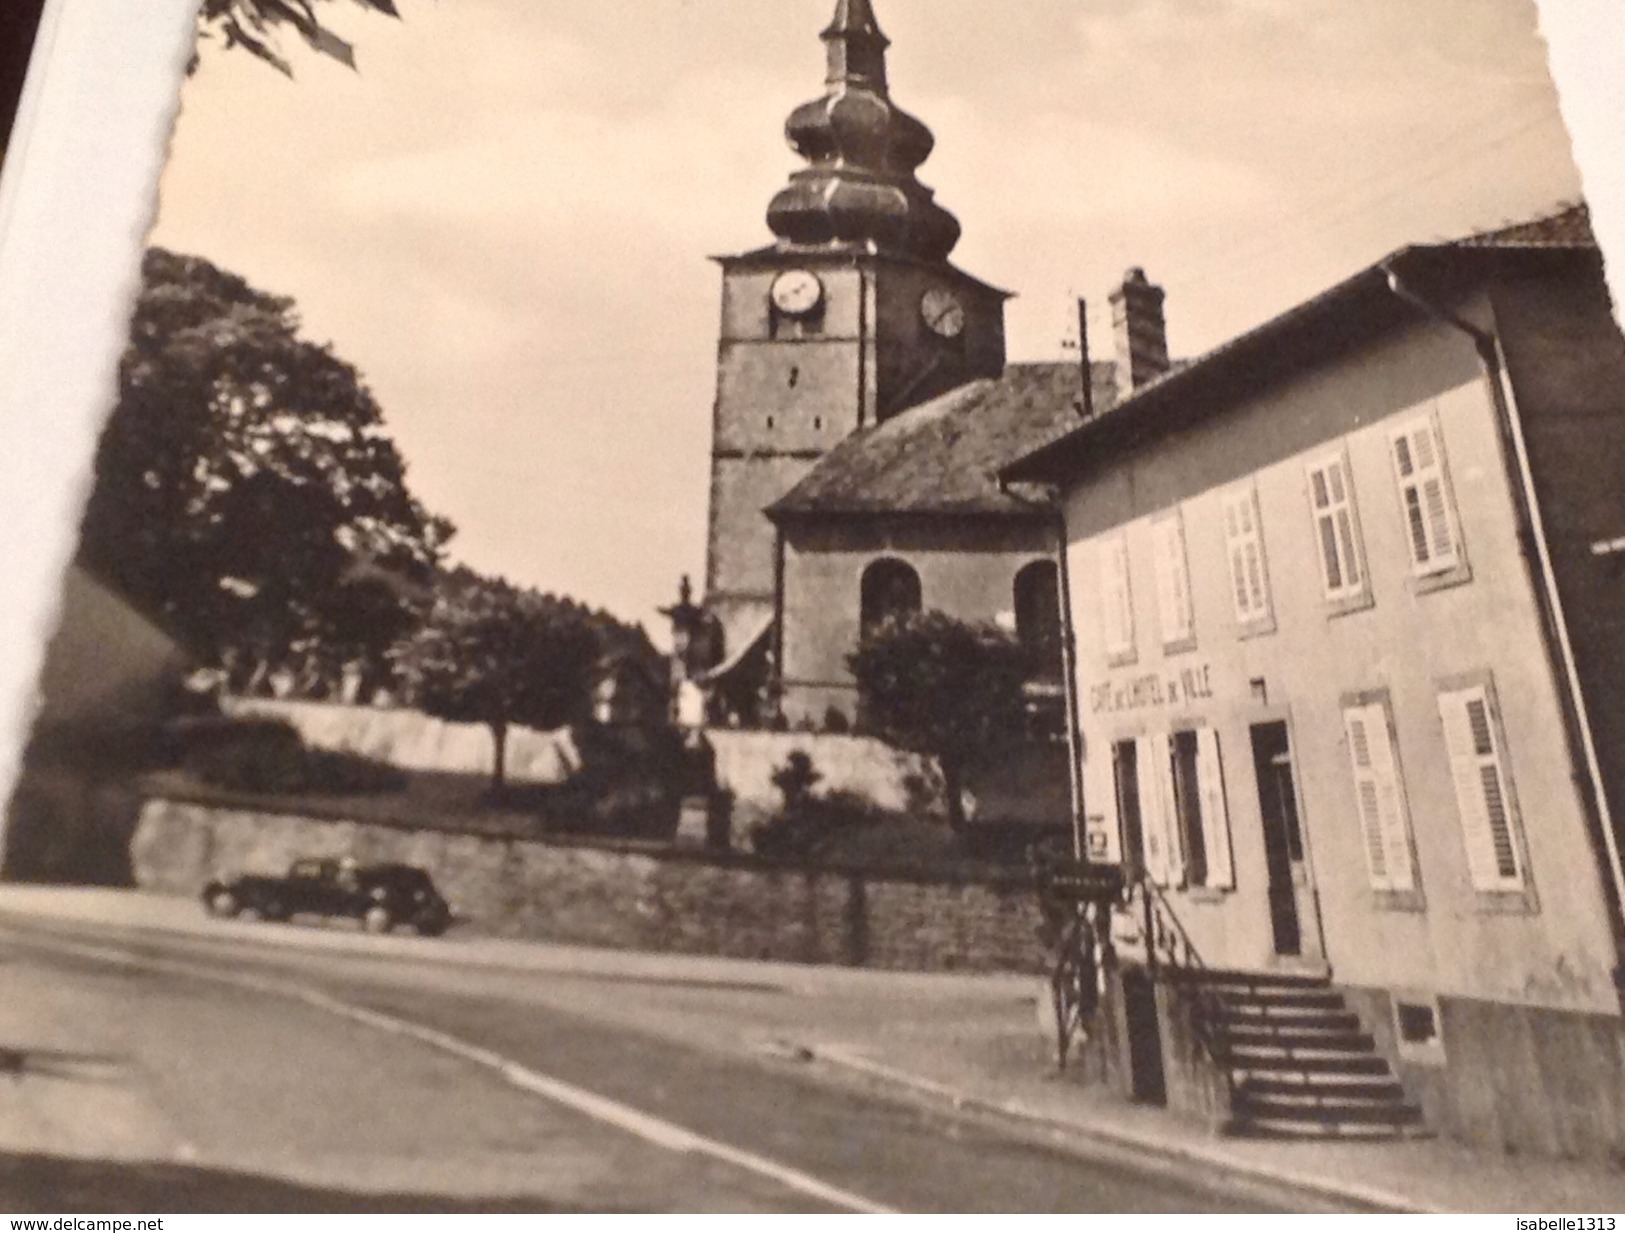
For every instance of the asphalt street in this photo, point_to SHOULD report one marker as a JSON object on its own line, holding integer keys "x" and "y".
{"x": 243, "y": 1071}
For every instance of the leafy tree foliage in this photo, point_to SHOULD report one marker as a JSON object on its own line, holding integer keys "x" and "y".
{"x": 938, "y": 686}
{"x": 495, "y": 654}
{"x": 242, "y": 475}
{"x": 256, "y": 26}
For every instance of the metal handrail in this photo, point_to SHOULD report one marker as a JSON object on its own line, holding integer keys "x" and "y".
{"x": 1165, "y": 924}
{"x": 1065, "y": 887}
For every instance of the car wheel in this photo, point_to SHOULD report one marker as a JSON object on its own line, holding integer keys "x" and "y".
{"x": 378, "y": 919}
{"x": 433, "y": 927}
{"x": 221, "y": 902}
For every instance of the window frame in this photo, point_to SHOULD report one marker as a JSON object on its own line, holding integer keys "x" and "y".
{"x": 1423, "y": 576}
{"x": 1345, "y": 598}
{"x": 1250, "y": 623}
{"x": 1516, "y": 896}
{"x": 1171, "y": 565}
{"x": 1117, "y": 600}
{"x": 1170, "y": 802}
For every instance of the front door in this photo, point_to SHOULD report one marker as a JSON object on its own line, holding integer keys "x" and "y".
{"x": 1294, "y": 914}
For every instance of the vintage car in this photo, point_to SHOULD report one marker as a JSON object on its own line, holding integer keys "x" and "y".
{"x": 379, "y": 896}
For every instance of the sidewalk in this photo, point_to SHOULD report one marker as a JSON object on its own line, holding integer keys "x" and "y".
{"x": 969, "y": 1040}
{"x": 1009, "y": 1071}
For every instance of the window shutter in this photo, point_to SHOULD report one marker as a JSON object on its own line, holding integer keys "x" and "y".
{"x": 1115, "y": 596}
{"x": 1173, "y": 580}
{"x": 1215, "y": 812}
{"x": 1365, "y": 726}
{"x": 1245, "y": 548}
{"x": 1479, "y": 773}
{"x": 1395, "y": 830}
{"x": 1164, "y": 857}
{"x": 1167, "y": 810}
{"x": 1424, "y": 497}
{"x": 1110, "y": 811}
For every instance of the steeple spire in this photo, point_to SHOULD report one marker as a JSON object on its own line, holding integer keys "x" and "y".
{"x": 857, "y": 48}
{"x": 859, "y": 189}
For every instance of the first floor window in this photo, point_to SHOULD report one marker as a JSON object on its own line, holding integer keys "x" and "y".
{"x": 1244, "y": 546}
{"x": 1116, "y": 596}
{"x": 1173, "y": 578}
{"x": 1331, "y": 501}
{"x": 1425, "y": 499}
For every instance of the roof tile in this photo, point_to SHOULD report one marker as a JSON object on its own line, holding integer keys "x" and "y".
{"x": 943, "y": 456}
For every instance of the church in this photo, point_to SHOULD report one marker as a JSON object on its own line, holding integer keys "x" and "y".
{"x": 864, "y": 407}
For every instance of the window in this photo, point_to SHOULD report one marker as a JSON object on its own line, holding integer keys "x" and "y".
{"x": 890, "y": 588}
{"x": 1478, "y": 767}
{"x": 1126, "y": 797}
{"x": 1038, "y": 617}
{"x": 1379, "y": 802}
{"x": 1173, "y": 582}
{"x": 1244, "y": 545}
{"x": 1187, "y": 800}
{"x": 1425, "y": 501}
{"x": 1183, "y": 817}
{"x": 1331, "y": 503}
{"x": 1116, "y": 598}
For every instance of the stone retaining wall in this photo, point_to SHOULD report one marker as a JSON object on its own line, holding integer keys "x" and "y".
{"x": 861, "y": 766}
{"x": 623, "y": 895}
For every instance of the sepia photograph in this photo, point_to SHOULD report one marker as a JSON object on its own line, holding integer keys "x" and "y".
{"x": 885, "y": 606}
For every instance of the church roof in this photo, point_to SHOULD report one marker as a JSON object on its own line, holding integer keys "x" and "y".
{"x": 942, "y": 457}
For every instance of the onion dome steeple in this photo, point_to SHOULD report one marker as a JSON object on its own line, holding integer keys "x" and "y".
{"x": 859, "y": 189}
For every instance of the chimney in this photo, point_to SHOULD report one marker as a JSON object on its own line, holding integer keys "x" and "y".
{"x": 1140, "y": 332}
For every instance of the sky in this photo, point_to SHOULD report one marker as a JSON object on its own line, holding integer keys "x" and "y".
{"x": 504, "y": 216}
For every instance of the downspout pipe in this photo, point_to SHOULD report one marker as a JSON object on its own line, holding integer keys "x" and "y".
{"x": 1537, "y": 555}
{"x": 1069, "y": 664}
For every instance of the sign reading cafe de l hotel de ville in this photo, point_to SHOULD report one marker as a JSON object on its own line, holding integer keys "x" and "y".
{"x": 1168, "y": 687}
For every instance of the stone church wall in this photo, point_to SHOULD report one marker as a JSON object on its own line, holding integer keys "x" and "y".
{"x": 966, "y": 569}
{"x": 626, "y": 896}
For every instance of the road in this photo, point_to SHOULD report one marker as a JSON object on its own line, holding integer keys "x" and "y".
{"x": 247, "y": 1072}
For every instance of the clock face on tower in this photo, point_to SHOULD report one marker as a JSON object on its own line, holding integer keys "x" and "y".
{"x": 942, "y": 312}
{"x": 797, "y": 292}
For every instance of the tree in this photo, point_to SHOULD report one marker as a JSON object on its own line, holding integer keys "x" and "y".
{"x": 243, "y": 473}
{"x": 491, "y": 653}
{"x": 255, "y": 26}
{"x": 938, "y": 686}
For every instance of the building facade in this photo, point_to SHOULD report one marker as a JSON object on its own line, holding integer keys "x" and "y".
{"x": 864, "y": 406}
{"x": 1347, "y": 675}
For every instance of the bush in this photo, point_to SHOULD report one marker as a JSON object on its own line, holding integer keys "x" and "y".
{"x": 835, "y": 722}
{"x": 267, "y": 757}
{"x": 818, "y": 829}
{"x": 631, "y": 785}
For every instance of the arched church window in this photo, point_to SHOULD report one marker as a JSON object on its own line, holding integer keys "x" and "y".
{"x": 1038, "y": 616}
{"x": 890, "y": 588}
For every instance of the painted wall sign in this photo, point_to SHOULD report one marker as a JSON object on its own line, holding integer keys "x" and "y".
{"x": 1153, "y": 689}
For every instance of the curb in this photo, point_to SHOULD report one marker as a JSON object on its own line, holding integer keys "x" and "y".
{"x": 541, "y": 958}
{"x": 318, "y": 942}
{"x": 1218, "y": 1161}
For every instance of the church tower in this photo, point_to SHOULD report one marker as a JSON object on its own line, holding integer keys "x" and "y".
{"x": 852, "y": 315}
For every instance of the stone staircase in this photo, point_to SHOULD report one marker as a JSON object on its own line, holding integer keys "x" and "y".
{"x": 1300, "y": 1064}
